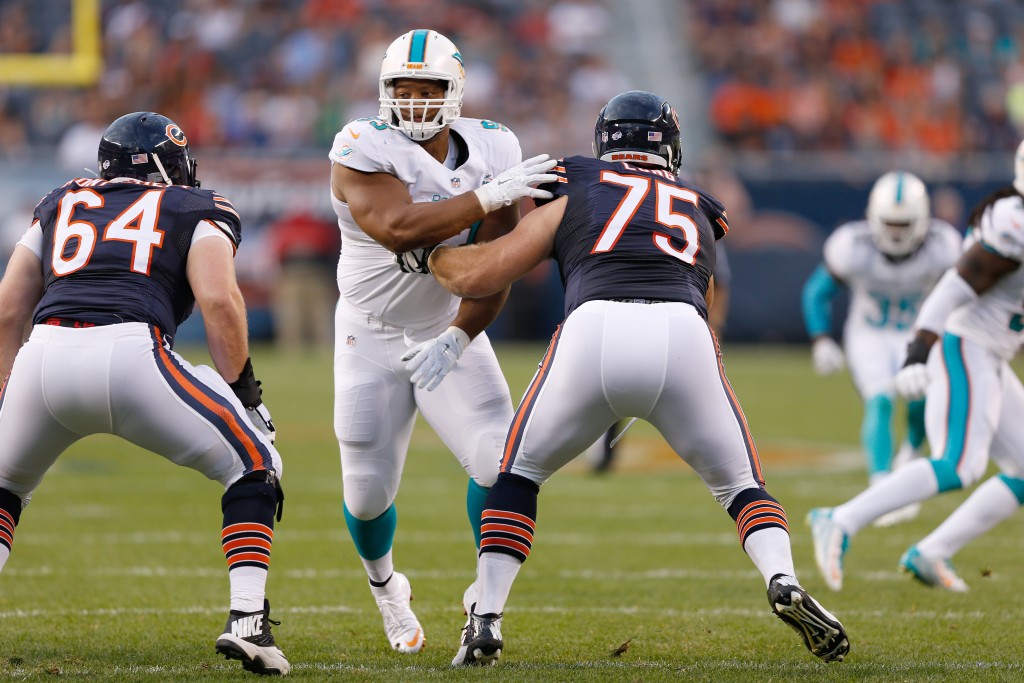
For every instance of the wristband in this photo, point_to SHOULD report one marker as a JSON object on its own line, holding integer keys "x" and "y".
{"x": 917, "y": 352}
{"x": 246, "y": 388}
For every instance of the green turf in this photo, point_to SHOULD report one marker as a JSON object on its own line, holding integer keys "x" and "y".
{"x": 117, "y": 572}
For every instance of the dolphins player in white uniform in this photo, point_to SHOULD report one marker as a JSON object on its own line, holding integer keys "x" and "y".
{"x": 973, "y": 400}
{"x": 889, "y": 262}
{"x": 402, "y": 183}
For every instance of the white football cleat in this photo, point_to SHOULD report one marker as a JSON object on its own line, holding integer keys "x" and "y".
{"x": 932, "y": 571}
{"x": 830, "y": 544}
{"x": 400, "y": 623}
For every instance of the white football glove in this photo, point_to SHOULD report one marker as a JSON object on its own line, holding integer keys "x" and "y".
{"x": 259, "y": 416}
{"x": 431, "y": 360}
{"x": 911, "y": 382}
{"x": 515, "y": 183}
{"x": 827, "y": 356}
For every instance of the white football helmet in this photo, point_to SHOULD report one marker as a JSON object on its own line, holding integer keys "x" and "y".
{"x": 1018, "y": 169}
{"x": 898, "y": 213}
{"x": 428, "y": 55}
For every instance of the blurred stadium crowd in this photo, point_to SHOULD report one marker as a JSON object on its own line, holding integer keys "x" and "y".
{"x": 779, "y": 75}
{"x": 864, "y": 75}
{"x": 282, "y": 76}
{"x": 935, "y": 85}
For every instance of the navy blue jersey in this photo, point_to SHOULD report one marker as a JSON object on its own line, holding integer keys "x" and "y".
{"x": 115, "y": 251}
{"x": 634, "y": 233}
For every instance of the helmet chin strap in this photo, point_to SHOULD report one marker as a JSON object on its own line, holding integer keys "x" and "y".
{"x": 160, "y": 166}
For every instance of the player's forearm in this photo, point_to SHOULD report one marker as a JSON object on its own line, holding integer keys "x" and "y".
{"x": 227, "y": 335}
{"x": 20, "y": 291}
{"x": 475, "y": 315}
{"x": 465, "y": 271}
{"x": 424, "y": 224}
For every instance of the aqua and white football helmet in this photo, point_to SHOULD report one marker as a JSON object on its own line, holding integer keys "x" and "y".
{"x": 898, "y": 213}
{"x": 427, "y": 55}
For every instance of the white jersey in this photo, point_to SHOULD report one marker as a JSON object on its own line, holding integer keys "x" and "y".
{"x": 369, "y": 276}
{"x": 886, "y": 294}
{"x": 996, "y": 319}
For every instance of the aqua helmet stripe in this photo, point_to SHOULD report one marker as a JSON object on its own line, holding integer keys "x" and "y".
{"x": 418, "y": 45}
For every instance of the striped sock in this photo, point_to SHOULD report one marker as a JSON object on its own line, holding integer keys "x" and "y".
{"x": 509, "y": 516}
{"x": 10, "y": 513}
{"x": 755, "y": 509}
{"x": 246, "y": 538}
{"x": 247, "y": 549}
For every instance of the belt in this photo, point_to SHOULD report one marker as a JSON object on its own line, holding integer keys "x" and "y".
{"x": 639, "y": 301}
{"x": 64, "y": 322}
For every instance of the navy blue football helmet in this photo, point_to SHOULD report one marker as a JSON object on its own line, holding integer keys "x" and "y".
{"x": 638, "y": 127}
{"x": 147, "y": 146}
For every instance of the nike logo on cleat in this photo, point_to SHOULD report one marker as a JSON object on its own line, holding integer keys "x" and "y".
{"x": 247, "y": 627}
{"x": 415, "y": 639}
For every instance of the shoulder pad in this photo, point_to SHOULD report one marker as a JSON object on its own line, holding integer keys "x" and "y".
{"x": 356, "y": 145}
{"x": 199, "y": 204}
{"x": 714, "y": 210}
{"x": 1002, "y": 227}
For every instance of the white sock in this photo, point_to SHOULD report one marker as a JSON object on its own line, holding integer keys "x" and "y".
{"x": 4, "y": 554}
{"x": 770, "y": 552}
{"x": 380, "y": 569}
{"x": 248, "y": 588}
{"x": 911, "y": 483}
{"x": 495, "y": 575}
{"x": 990, "y": 504}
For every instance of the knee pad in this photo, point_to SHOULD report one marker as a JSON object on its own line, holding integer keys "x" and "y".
{"x": 754, "y": 509}
{"x": 254, "y": 497}
{"x": 357, "y": 407}
{"x": 366, "y": 496}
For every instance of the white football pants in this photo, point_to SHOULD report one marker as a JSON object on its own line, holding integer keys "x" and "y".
{"x": 375, "y": 407}
{"x": 68, "y": 383}
{"x": 611, "y": 360}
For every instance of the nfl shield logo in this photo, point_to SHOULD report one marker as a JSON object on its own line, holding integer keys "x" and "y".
{"x": 456, "y": 183}
{"x": 350, "y": 340}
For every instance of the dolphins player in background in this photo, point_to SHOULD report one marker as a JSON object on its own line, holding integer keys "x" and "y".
{"x": 968, "y": 329}
{"x": 416, "y": 176}
{"x": 889, "y": 262}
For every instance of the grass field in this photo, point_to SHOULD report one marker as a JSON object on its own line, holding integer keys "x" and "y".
{"x": 117, "y": 572}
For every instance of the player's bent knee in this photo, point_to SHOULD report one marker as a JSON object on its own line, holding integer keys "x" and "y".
{"x": 366, "y": 497}
{"x": 484, "y": 460}
{"x": 261, "y": 489}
